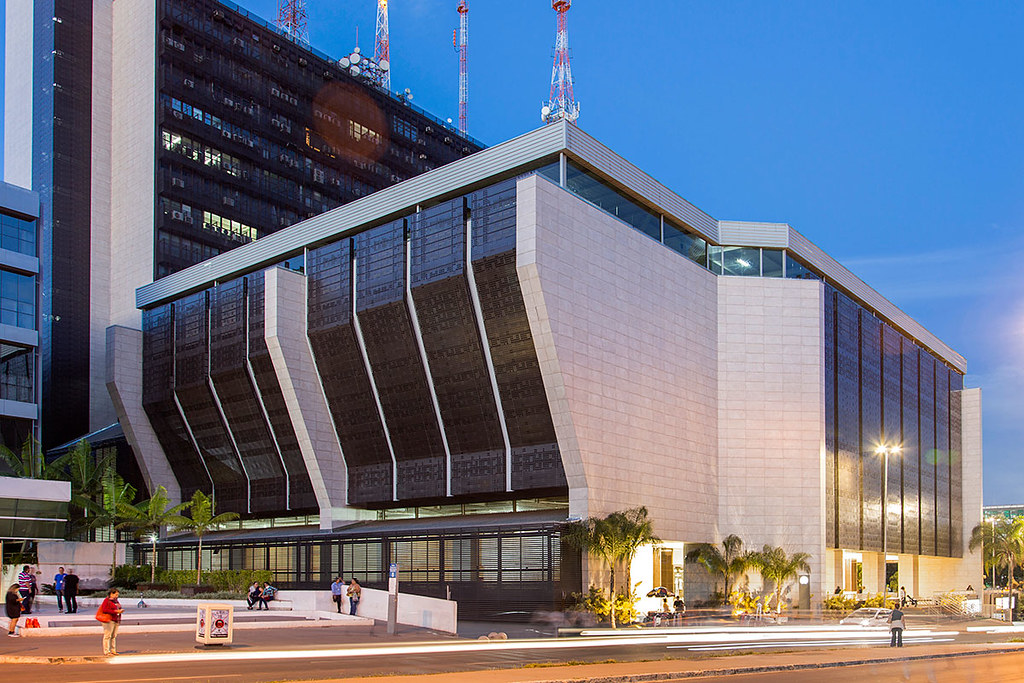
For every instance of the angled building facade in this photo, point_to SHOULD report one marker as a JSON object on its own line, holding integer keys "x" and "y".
{"x": 542, "y": 332}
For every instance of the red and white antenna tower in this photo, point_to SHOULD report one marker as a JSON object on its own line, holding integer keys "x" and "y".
{"x": 562, "y": 103}
{"x": 382, "y": 52}
{"x": 463, "y": 64}
{"x": 291, "y": 18}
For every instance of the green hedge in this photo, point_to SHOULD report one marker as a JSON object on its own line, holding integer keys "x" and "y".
{"x": 228, "y": 580}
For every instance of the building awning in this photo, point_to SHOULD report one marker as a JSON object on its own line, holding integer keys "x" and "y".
{"x": 33, "y": 509}
{"x": 422, "y": 526}
{"x": 97, "y": 439}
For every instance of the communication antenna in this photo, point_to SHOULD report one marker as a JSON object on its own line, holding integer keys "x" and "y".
{"x": 382, "y": 53}
{"x": 463, "y": 48}
{"x": 291, "y": 18}
{"x": 562, "y": 103}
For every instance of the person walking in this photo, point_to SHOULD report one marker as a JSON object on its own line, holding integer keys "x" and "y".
{"x": 13, "y": 608}
{"x": 109, "y": 614}
{"x": 58, "y": 588}
{"x": 71, "y": 591}
{"x": 336, "y": 588}
{"x": 903, "y": 596}
{"x": 354, "y": 592}
{"x": 896, "y": 625}
{"x": 25, "y": 581}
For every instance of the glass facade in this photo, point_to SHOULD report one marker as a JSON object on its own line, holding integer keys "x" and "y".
{"x": 17, "y": 234}
{"x": 882, "y": 389}
{"x": 257, "y": 132}
{"x": 489, "y": 570}
{"x": 18, "y": 300}
{"x": 17, "y": 373}
{"x": 587, "y": 185}
{"x": 721, "y": 260}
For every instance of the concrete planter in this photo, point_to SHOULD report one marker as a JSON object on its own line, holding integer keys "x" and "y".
{"x": 144, "y": 587}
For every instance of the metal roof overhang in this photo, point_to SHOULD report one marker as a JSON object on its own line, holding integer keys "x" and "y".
{"x": 433, "y": 526}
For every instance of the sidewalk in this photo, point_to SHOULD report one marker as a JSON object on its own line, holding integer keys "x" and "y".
{"x": 275, "y": 635}
{"x": 165, "y": 619}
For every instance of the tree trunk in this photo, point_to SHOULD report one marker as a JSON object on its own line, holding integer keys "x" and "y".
{"x": 152, "y": 563}
{"x": 612, "y": 564}
{"x": 199, "y": 561}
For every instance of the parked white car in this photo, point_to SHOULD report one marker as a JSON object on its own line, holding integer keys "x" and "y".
{"x": 867, "y": 616}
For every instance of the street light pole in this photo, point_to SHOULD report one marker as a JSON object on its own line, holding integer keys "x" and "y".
{"x": 884, "y": 451}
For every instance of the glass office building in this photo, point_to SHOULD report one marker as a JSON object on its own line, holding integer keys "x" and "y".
{"x": 159, "y": 133}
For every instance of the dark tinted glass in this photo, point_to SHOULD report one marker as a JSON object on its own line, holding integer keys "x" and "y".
{"x": 686, "y": 243}
{"x": 595, "y": 191}
{"x": 18, "y": 300}
{"x": 771, "y": 263}
{"x": 17, "y": 235}
{"x": 551, "y": 172}
{"x": 797, "y": 270}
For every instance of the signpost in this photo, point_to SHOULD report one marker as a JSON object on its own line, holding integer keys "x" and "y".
{"x": 392, "y": 597}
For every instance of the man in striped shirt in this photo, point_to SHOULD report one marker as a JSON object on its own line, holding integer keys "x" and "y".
{"x": 26, "y": 582}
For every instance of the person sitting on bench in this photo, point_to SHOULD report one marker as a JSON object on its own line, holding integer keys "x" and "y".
{"x": 266, "y": 595}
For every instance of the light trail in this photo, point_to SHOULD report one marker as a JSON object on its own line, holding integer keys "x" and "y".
{"x": 770, "y": 638}
{"x": 795, "y": 643}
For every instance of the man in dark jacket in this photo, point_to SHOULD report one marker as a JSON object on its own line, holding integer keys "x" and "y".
{"x": 71, "y": 591}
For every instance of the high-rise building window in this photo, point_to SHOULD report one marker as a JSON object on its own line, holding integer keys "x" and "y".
{"x": 17, "y": 300}
{"x": 17, "y": 235}
{"x": 16, "y": 363}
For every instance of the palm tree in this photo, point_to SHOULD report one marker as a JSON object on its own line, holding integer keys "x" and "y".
{"x": 87, "y": 474}
{"x": 630, "y": 529}
{"x": 1002, "y": 541}
{"x": 612, "y": 539}
{"x": 731, "y": 561}
{"x": 116, "y": 494}
{"x": 29, "y": 463}
{"x": 201, "y": 522}
{"x": 778, "y": 567}
{"x": 151, "y": 515}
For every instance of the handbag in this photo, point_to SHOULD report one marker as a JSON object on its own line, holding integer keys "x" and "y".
{"x": 102, "y": 616}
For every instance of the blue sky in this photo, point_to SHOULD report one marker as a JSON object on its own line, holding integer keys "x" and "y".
{"x": 888, "y": 133}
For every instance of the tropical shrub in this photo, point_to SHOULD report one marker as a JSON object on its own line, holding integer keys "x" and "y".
{"x": 840, "y": 603}
{"x": 130, "y": 575}
{"x": 596, "y": 602}
{"x": 226, "y": 580}
{"x": 743, "y": 602}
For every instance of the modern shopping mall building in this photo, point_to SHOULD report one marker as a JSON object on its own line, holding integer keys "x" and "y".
{"x": 441, "y": 373}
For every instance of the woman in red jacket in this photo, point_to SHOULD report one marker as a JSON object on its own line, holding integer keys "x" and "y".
{"x": 111, "y": 611}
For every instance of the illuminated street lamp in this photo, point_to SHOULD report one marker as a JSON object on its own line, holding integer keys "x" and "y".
{"x": 885, "y": 451}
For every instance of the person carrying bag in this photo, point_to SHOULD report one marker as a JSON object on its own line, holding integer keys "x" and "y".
{"x": 109, "y": 614}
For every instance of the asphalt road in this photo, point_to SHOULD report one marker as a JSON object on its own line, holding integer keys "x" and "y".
{"x": 291, "y": 656}
{"x": 1003, "y": 668}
